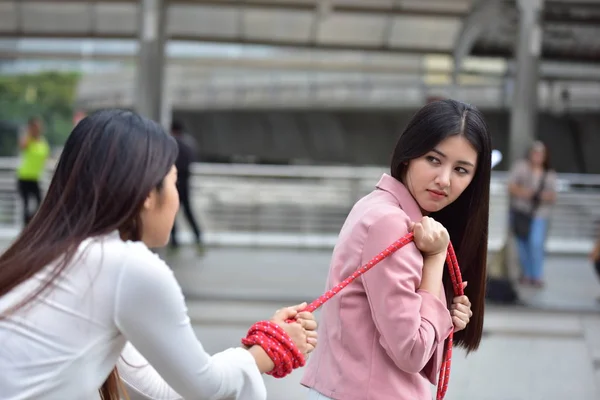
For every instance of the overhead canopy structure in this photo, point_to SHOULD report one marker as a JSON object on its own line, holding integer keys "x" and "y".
{"x": 570, "y": 27}
{"x": 421, "y": 26}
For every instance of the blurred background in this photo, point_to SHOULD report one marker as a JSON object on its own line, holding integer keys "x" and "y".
{"x": 288, "y": 111}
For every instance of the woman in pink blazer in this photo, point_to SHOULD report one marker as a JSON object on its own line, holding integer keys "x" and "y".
{"x": 382, "y": 337}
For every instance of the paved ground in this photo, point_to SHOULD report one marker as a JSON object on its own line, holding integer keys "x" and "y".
{"x": 299, "y": 275}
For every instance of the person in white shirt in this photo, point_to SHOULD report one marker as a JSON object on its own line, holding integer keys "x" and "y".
{"x": 87, "y": 309}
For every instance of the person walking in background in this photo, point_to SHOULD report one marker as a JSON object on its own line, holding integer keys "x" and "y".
{"x": 532, "y": 189}
{"x": 34, "y": 153}
{"x": 185, "y": 158}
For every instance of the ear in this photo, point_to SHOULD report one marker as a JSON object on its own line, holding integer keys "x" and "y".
{"x": 150, "y": 201}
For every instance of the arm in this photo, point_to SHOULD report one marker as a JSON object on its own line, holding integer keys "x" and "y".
{"x": 24, "y": 142}
{"x": 411, "y": 320}
{"x": 150, "y": 311}
{"x": 519, "y": 191}
{"x": 515, "y": 188}
{"x": 140, "y": 379}
{"x": 549, "y": 193}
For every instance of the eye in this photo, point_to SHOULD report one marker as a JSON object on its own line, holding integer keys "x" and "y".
{"x": 462, "y": 171}
{"x": 433, "y": 160}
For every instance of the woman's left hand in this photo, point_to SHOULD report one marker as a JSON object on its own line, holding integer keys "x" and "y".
{"x": 461, "y": 313}
{"x": 308, "y": 322}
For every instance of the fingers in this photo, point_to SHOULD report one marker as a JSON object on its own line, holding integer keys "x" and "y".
{"x": 289, "y": 312}
{"x": 461, "y": 313}
{"x": 285, "y": 314}
{"x": 311, "y": 340}
{"x": 299, "y": 307}
{"x": 464, "y": 284}
{"x": 308, "y": 324}
{"x": 462, "y": 300}
{"x": 462, "y": 308}
{"x": 459, "y": 324}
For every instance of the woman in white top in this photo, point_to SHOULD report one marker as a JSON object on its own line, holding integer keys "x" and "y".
{"x": 82, "y": 296}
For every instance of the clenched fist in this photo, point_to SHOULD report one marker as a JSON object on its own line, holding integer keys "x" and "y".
{"x": 430, "y": 237}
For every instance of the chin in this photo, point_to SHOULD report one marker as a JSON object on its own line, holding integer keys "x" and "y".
{"x": 431, "y": 208}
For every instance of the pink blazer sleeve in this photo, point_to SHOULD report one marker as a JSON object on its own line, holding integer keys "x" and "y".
{"x": 411, "y": 322}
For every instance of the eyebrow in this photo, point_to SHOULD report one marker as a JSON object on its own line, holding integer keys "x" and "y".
{"x": 459, "y": 162}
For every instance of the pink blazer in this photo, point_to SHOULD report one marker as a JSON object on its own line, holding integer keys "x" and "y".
{"x": 381, "y": 338}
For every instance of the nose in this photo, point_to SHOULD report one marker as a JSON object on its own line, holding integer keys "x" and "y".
{"x": 443, "y": 177}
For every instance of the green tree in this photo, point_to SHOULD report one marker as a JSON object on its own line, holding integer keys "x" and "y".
{"x": 49, "y": 95}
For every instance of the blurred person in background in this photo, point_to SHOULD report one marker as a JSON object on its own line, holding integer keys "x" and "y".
{"x": 34, "y": 153}
{"x": 185, "y": 158}
{"x": 383, "y": 336}
{"x": 532, "y": 189}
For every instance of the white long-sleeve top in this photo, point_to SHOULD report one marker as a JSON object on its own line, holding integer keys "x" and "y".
{"x": 64, "y": 344}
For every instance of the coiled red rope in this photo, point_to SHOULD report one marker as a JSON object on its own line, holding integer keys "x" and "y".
{"x": 286, "y": 356}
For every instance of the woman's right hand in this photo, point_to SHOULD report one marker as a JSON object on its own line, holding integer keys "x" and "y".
{"x": 430, "y": 237}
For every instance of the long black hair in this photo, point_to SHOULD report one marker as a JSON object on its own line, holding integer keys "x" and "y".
{"x": 466, "y": 219}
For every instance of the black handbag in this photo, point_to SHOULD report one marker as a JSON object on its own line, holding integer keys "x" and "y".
{"x": 521, "y": 220}
{"x": 521, "y": 223}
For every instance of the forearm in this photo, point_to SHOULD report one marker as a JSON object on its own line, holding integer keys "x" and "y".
{"x": 263, "y": 362}
{"x": 549, "y": 196}
{"x": 433, "y": 271}
{"x": 518, "y": 191}
{"x": 23, "y": 142}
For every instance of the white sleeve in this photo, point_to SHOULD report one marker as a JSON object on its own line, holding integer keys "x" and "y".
{"x": 140, "y": 379}
{"x": 150, "y": 311}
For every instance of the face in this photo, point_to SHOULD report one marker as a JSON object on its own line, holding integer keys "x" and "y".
{"x": 35, "y": 128}
{"x": 537, "y": 154}
{"x": 437, "y": 178}
{"x": 159, "y": 211}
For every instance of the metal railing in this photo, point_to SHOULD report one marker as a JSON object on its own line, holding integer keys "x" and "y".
{"x": 306, "y": 205}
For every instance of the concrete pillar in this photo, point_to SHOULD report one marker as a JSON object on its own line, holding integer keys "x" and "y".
{"x": 524, "y": 110}
{"x": 523, "y": 97}
{"x": 151, "y": 59}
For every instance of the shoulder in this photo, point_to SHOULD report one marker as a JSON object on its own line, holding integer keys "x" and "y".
{"x": 139, "y": 261}
{"x": 381, "y": 214}
{"x": 521, "y": 166}
{"x": 120, "y": 257}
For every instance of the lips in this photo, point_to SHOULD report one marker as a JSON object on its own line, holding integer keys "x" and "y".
{"x": 437, "y": 192}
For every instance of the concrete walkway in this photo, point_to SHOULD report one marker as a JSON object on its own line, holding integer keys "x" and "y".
{"x": 299, "y": 275}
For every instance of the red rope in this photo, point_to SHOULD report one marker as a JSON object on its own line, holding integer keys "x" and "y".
{"x": 286, "y": 357}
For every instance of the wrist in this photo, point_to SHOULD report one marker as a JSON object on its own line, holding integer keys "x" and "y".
{"x": 435, "y": 256}
{"x": 263, "y": 361}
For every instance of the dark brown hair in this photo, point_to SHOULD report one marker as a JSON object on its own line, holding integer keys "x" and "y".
{"x": 466, "y": 219}
{"x": 111, "y": 162}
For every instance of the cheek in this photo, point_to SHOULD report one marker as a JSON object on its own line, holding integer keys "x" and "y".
{"x": 461, "y": 186}
{"x": 174, "y": 200}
